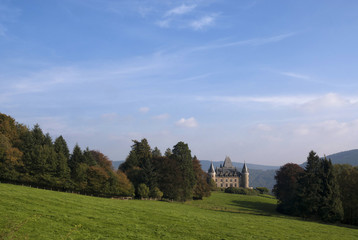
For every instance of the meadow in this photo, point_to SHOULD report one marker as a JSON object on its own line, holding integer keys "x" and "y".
{"x": 29, "y": 213}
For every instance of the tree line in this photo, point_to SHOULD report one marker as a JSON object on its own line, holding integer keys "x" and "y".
{"x": 175, "y": 175}
{"x": 28, "y": 156}
{"x": 321, "y": 190}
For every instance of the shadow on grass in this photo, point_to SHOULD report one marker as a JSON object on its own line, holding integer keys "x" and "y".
{"x": 256, "y": 208}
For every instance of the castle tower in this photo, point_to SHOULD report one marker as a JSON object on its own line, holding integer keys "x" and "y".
{"x": 211, "y": 171}
{"x": 245, "y": 176}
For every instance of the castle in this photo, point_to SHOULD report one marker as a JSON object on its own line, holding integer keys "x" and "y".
{"x": 228, "y": 176}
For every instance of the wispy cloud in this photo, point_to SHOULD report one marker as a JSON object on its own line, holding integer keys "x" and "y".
{"x": 252, "y": 42}
{"x": 182, "y": 9}
{"x": 202, "y": 22}
{"x": 187, "y": 122}
{"x": 295, "y": 75}
{"x": 305, "y": 102}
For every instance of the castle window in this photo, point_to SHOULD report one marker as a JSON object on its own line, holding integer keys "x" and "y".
{"x": 221, "y": 180}
{"x": 230, "y": 180}
{"x": 230, "y": 184}
{"x": 221, "y": 185}
{"x": 226, "y": 181}
{"x": 235, "y": 184}
{"x": 235, "y": 180}
{"x": 226, "y": 185}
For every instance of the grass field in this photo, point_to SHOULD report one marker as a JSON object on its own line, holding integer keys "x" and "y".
{"x": 28, "y": 213}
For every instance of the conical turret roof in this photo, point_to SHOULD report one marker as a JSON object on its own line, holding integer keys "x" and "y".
{"x": 211, "y": 168}
{"x": 244, "y": 169}
{"x": 227, "y": 163}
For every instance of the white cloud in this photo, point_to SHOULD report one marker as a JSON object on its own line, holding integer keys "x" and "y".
{"x": 144, "y": 109}
{"x": 161, "y": 116}
{"x": 202, "y": 22}
{"x": 189, "y": 122}
{"x": 183, "y": 9}
{"x": 328, "y": 101}
{"x": 305, "y": 102}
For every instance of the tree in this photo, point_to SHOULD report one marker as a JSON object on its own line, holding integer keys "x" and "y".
{"x": 201, "y": 188}
{"x": 143, "y": 191}
{"x": 330, "y": 209}
{"x": 347, "y": 178}
{"x": 75, "y": 159}
{"x": 156, "y": 152}
{"x": 182, "y": 155}
{"x": 310, "y": 187}
{"x": 286, "y": 187}
{"x": 156, "y": 193}
{"x": 60, "y": 146}
{"x": 168, "y": 152}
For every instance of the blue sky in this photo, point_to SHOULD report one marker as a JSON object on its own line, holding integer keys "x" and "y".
{"x": 260, "y": 81}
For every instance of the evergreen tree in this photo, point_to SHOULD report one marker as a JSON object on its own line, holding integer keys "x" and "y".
{"x": 182, "y": 155}
{"x": 61, "y": 146}
{"x": 88, "y": 157}
{"x": 168, "y": 152}
{"x": 75, "y": 159}
{"x": 330, "y": 209}
{"x": 310, "y": 187}
{"x": 156, "y": 152}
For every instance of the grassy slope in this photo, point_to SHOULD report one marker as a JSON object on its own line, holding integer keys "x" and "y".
{"x": 39, "y": 214}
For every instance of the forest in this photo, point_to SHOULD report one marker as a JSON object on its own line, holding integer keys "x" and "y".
{"x": 30, "y": 157}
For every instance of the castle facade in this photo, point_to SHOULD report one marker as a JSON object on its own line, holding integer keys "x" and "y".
{"x": 229, "y": 176}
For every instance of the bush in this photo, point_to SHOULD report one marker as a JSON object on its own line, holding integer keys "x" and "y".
{"x": 262, "y": 190}
{"x": 156, "y": 193}
{"x": 142, "y": 191}
{"x": 243, "y": 191}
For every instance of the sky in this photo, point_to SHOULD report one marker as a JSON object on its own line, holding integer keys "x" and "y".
{"x": 260, "y": 81}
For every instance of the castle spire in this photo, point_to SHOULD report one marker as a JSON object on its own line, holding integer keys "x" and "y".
{"x": 244, "y": 168}
{"x": 211, "y": 168}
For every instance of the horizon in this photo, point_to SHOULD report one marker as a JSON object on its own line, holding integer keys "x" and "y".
{"x": 263, "y": 82}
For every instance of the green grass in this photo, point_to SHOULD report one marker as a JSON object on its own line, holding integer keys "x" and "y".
{"x": 28, "y": 213}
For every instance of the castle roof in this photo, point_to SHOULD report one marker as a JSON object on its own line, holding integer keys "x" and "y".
{"x": 228, "y": 163}
{"x": 244, "y": 169}
{"x": 227, "y": 169}
{"x": 211, "y": 168}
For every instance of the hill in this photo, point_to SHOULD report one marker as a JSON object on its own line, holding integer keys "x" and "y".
{"x": 346, "y": 157}
{"x": 28, "y": 213}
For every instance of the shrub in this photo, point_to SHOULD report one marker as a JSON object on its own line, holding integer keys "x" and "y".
{"x": 262, "y": 190}
{"x": 142, "y": 191}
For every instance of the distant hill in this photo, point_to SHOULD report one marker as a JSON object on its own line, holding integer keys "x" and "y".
{"x": 116, "y": 164}
{"x": 346, "y": 157}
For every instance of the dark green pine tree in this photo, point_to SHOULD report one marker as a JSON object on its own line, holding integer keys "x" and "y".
{"x": 330, "y": 209}
{"x": 88, "y": 157}
{"x": 182, "y": 155}
{"x": 310, "y": 187}
{"x": 63, "y": 156}
{"x": 61, "y": 146}
{"x": 75, "y": 159}
{"x": 201, "y": 188}
{"x": 156, "y": 152}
